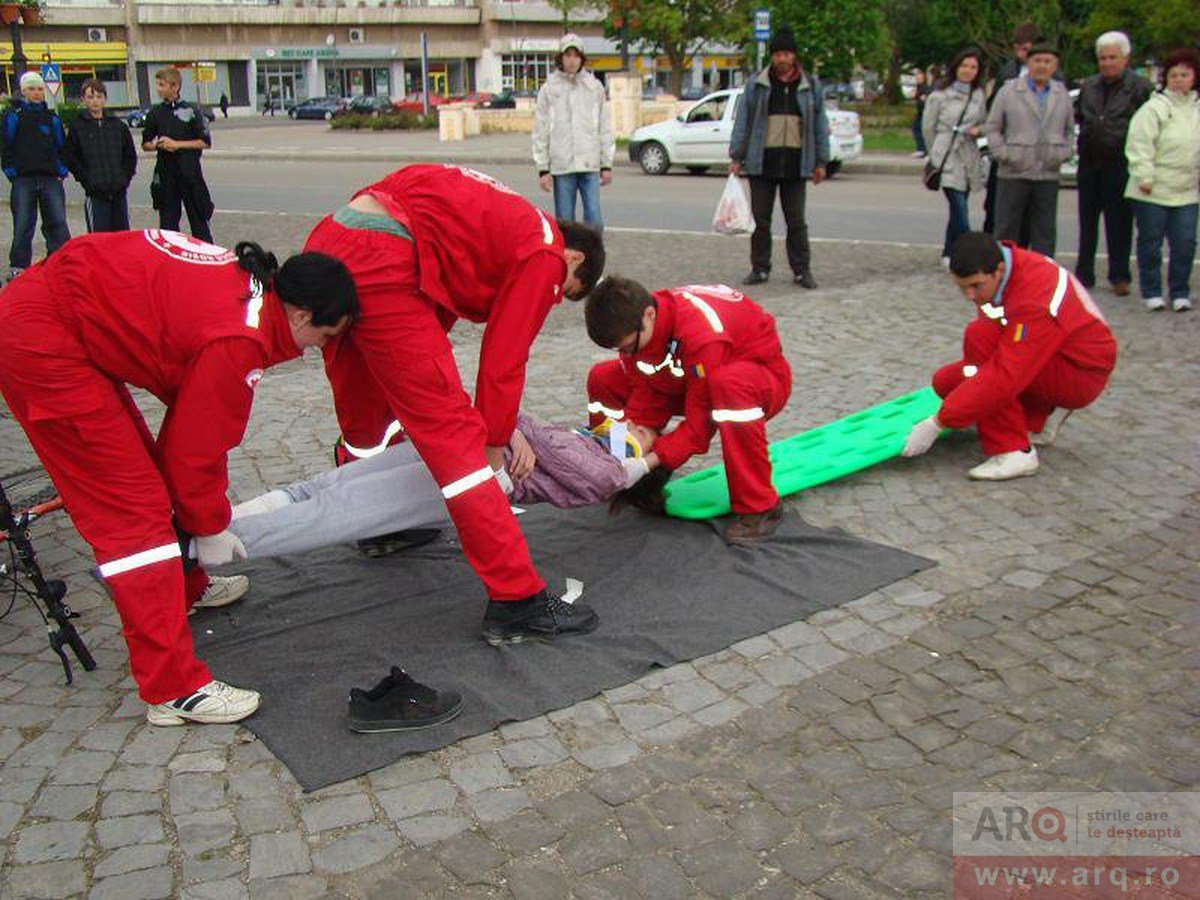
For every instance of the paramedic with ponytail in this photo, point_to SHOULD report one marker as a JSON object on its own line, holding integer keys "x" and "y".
{"x": 195, "y": 325}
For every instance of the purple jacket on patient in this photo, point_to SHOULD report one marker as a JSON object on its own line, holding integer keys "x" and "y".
{"x": 571, "y": 470}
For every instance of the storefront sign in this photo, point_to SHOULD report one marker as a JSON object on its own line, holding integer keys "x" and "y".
{"x": 308, "y": 53}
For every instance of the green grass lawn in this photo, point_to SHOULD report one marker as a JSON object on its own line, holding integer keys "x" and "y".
{"x": 888, "y": 140}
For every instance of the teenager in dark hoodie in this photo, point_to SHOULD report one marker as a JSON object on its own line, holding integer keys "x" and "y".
{"x": 100, "y": 154}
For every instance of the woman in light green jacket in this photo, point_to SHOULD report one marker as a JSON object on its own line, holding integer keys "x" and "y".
{"x": 1163, "y": 149}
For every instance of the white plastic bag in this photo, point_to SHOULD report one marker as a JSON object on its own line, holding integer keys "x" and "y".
{"x": 733, "y": 214}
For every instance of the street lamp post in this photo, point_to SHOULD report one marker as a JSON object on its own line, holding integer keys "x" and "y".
{"x": 18, "y": 55}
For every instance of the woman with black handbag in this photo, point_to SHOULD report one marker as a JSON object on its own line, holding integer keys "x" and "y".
{"x": 954, "y": 115}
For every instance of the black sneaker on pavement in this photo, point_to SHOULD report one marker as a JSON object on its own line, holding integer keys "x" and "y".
{"x": 542, "y": 617}
{"x": 398, "y": 703}
{"x": 394, "y": 542}
{"x": 756, "y": 276}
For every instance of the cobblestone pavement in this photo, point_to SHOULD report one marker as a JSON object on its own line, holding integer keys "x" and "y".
{"x": 1048, "y": 650}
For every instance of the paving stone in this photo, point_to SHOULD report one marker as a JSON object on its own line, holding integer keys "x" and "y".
{"x": 272, "y": 855}
{"x": 659, "y": 877}
{"x": 890, "y": 753}
{"x": 337, "y": 812}
{"x": 803, "y": 860}
{"x": 695, "y": 693}
{"x": 915, "y": 870}
{"x": 608, "y": 756}
{"x": 782, "y": 671}
{"x": 51, "y": 841}
{"x": 83, "y": 767}
{"x": 424, "y": 830}
{"x": 64, "y": 803}
{"x": 225, "y": 889}
{"x": 536, "y": 881}
{"x": 152, "y": 746}
{"x": 759, "y": 827}
{"x": 216, "y": 864}
{"x": 594, "y": 848}
{"x": 356, "y": 850}
{"x": 50, "y": 880}
{"x": 264, "y": 814}
{"x": 525, "y": 832}
{"x": 575, "y": 808}
{"x": 127, "y": 830}
{"x": 480, "y": 772}
{"x": 206, "y": 830}
{"x": 126, "y": 803}
{"x": 469, "y": 857}
{"x": 422, "y": 797}
{"x": 859, "y": 724}
{"x": 291, "y": 887}
{"x": 146, "y": 884}
{"x": 494, "y": 806}
{"x": 132, "y": 859}
{"x": 410, "y": 770}
{"x": 537, "y": 751}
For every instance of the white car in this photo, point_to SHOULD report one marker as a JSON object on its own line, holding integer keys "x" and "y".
{"x": 699, "y": 137}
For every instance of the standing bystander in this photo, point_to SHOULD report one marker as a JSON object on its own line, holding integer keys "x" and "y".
{"x": 32, "y": 142}
{"x": 1023, "y": 38}
{"x": 922, "y": 91}
{"x": 177, "y": 130}
{"x": 100, "y": 154}
{"x": 1107, "y": 101}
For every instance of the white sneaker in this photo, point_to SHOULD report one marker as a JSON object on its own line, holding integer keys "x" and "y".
{"x": 1049, "y": 432}
{"x": 1004, "y": 466}
{"x": 1181, "y": 304}
{"x": 215, "y": 702}
{"x": 1154, "y": 304}
{"x": 221, "y": 591}
{"x": 264, "y": 503}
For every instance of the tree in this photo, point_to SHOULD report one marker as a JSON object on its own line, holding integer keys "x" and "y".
{"x": 1154, "y": 28}
{"x": 679, "y": 29}
{"x": 834, "y": 37}
{"x": 568, "y": 8}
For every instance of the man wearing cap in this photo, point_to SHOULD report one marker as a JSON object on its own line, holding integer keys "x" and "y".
{"x": 780, "y": 141}
{"x": 573, "y": 142}
{"x": 1031, "y": 132}
{"x": 32, "y": 140}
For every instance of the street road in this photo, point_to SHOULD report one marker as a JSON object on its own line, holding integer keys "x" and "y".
{"x": 849, "y": 207}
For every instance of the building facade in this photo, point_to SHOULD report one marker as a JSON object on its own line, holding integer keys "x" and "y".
{"x": 263, "y": 53}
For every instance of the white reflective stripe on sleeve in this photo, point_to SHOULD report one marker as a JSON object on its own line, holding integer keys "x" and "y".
{"x": 476, "y": 478}
{"x": 547, "y": 231}
{"x": 738, "y": 415}
{"x": 600, "y": 409}
{"x": 364, "y": 452}
{"x": 970, "y": 371}
{"x": 255, "y": 304}
{"x": 1060, "y": 291}
{"x": 138, "y": 560}
{"x": 709, "y": 313}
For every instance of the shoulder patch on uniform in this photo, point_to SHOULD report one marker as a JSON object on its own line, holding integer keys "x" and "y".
{"x": 1019, "y": 332}
{"x": 253, "y": 377}
{"x": 188, "y": 249}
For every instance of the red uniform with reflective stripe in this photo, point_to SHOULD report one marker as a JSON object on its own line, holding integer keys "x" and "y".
{"x": 479, "y": 252}
{"x": 180, "y": 319}
{"x": 715, "y": 358}
{"x": 1046, "y": 345}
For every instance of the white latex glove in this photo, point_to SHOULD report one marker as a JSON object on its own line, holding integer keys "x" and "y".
{"x": 218, "y": 549}
{"x": 636, "y": 468}
{"x": 922, "y": 436}
{"x": 505, "y": 481}
{"x": 264, "y": 503}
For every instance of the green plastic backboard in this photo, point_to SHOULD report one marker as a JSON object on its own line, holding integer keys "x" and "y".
{"x": 814, "y": 457}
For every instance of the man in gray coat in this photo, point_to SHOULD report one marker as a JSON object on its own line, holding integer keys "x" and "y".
{"x": 1031, "y": 132}
{"x": 781, "y": 141}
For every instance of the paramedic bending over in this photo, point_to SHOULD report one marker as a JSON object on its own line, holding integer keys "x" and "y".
{"x": 195, "y": 325}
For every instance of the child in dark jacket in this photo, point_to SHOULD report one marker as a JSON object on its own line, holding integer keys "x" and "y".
{"x": 101, "y": 155}
{"x": 31, "y": 144}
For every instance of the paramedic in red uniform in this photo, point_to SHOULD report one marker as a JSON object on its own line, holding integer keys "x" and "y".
{"x": 1038, "y": 343}
{"x": 427, "y": 246}
{"x": 195, "y": 325}
{"x": 710, "y": 354}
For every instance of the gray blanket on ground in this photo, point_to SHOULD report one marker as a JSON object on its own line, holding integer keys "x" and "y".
{"x": 666, "y": 590}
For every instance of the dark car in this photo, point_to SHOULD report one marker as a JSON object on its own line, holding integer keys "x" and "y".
{"x": 365, "y": 106}
{"x": 503, "y": 100}
{"x": 137, "y": 118}
{"x": 315, "y": 108}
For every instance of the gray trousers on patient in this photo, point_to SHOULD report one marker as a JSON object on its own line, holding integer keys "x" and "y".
{"x": 391, "y": 491}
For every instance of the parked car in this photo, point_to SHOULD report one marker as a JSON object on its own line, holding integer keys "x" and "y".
{"x": 365, "y": 106}
{"x": 699, "y": 137}
{"x": 315, "y": 108}
{"x": 137, "y": 118}
{"x": 504, "y": 100}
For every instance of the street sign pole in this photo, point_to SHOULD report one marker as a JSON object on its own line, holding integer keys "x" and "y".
{"x": 762, "y": 32}
{"x": 424, "y": 74}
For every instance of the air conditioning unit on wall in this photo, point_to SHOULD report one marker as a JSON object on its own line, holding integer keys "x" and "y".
{"x": 357, "y": 35}
{"x": 97, "y": 36}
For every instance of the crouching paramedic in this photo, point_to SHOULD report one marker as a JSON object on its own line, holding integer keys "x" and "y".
{"x": 429, "y": 245}
{"x": 710, "y": 354}
{"x": 1038, "y": 343}
{"x": 195, "y": 325}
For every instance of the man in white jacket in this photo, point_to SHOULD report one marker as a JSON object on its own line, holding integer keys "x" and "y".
{"x": 573, "y": 142}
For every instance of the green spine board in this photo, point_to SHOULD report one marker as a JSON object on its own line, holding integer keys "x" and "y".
{"x": 813, "y": 457}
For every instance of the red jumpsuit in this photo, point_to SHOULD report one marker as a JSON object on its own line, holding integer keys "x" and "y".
{"x": 179, "y": 318}
{"x": 715, "y": 359}
{"x": 478, "y": 252}
{"x": 1041, "y": 344}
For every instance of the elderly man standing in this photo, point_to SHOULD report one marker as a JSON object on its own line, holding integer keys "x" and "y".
{"x": 1030, "y": 130}
{"x": 780, "y": 140}
{"x": 1107, "y": 101}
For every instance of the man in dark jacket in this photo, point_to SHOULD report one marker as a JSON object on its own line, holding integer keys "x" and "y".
{"x": 100, "y": 154}
{"x": 1107, "y": 101}
{"x": 33, "y": 139}
{"x": 1023, "y": 38}
{"x": 177, "y": 130}
{"x": 780, "y": 140}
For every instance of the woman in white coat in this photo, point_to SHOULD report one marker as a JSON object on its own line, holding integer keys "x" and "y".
{"x": 573, "y": 143}
{"x": 953, "y": 120}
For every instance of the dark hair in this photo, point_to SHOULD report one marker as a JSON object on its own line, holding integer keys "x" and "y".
{"x": 1025, "y": 33}
{"x": 559, "y": 56}
{"x": 1184, "y": 56}
{"x": 964, "y": 54}
{"x": 646, "y": 495}
{"x": 587, "y": 240}
{"x": 973, "y": 253}
{"x": 614, "y": 310}
{"x": 93, "y": 84}
{"x": 312, "y": 281}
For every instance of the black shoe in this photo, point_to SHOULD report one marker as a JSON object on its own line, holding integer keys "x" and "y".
{"x": 805, "y": 280}
{"x": 1088, "y": 281}
{"x": 542, "y": 617}
{"x": 400, "y": 704}
{"x": 756, "y": 276}
{"x": 387, "y": 544}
